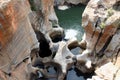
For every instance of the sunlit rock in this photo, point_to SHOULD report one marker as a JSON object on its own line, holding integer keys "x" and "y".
{"x": 107, "y": 71}
{"x": 17, "y": 39}
{"x": 98, "y": 36}
{"x": 101, "y": 22}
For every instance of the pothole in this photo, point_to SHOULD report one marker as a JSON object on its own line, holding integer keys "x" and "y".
{"x": 75, "y": 74}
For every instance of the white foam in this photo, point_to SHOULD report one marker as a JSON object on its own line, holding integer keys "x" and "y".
{"x": 70, "y": 33}
{"x": 63, "y": 7}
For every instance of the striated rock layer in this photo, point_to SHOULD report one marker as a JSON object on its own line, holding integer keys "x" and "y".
{"x": 19, "y": 45}
{"x": 101, "y": 21}
{"x": 17, "y": 39}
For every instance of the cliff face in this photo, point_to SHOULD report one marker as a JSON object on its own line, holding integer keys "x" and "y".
{"x": 45, "y": 23}
{"x": 100, "y": 24}
{"x": 17, "y": 39}
{"x": 45, "y": 11}
{"x": 101, "y": 21}
{"x": 20, "y": 30}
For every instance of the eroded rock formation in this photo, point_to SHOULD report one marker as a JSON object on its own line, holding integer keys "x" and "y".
{"x": 19, "y": 44}
{"x": 101, "y": 21}
{"x": 17, "y": 39}
{"x": 28, "y": 46}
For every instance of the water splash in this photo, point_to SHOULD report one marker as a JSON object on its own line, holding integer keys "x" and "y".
{"x": 63, "y": 7}
{"x": 70, "y": 33}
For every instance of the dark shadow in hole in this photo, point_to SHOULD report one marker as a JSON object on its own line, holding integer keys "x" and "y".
{"x": 77, "y": 75}
{"x": 85, "y": 75}
{"x": 57, "y": 38}
{"x": 44, "y": 45}
{"x": 116, "y": 6}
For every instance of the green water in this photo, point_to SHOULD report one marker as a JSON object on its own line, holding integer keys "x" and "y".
{"x": 71, "y": 19}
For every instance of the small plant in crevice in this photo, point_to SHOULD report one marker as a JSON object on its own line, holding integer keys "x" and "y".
{"x": 102, "y": 25}
{"x": 110, "y": 12}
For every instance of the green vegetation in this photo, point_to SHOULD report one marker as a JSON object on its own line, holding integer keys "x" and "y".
{"x": 102, "y": 25}
{"x": 110, "y": 12}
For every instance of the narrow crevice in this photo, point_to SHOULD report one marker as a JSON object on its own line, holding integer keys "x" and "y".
{"x": 115, "y": 74}
{"x": 116, "y": 6}
{"x": 100, "y": 53}
{"x": 117, "y": 55}
{"x": 44, "y": 45}
{"x": 94, "y": 49}
{"x": 96, "y": 25}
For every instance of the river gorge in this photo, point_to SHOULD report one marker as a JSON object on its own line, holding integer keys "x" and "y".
{"x": 59, "y": 39}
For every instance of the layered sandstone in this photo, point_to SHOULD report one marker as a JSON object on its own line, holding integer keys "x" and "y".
{"x": 17, "y": 39}
{"x": 101, "y": 21}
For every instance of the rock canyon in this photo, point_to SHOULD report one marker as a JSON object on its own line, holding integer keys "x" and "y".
{"x": 32, "y": 40}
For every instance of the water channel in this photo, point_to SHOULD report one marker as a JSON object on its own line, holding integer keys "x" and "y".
{"x": 70, "y": 21}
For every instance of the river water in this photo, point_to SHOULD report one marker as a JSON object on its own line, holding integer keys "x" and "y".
{"x": 70, "y": 21}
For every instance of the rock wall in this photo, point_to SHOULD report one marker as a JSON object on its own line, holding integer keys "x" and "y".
{"x": 17, "y": 39}
{"x": 20, "y": 30}
{"x": 101, "y": 21}
{"x": 45, "y": 23}
{"x": 43, "y": 9}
